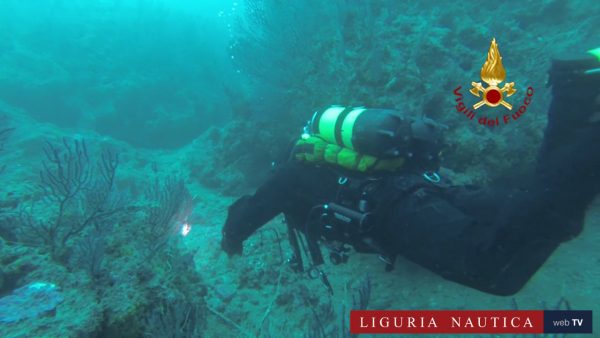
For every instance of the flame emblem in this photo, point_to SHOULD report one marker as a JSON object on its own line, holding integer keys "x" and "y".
{"x": 493, "y": 73}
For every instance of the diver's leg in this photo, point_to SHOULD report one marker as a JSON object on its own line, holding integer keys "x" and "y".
{"x": 568, "y": 168}
{"x": 494, "y": 240}
{"x": 534, "y": 220}
{"x": 575, "y": 101}
{"x": 465, "y": 237}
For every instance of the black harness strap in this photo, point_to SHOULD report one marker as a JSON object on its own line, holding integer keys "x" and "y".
{"x": 338, "y": 126}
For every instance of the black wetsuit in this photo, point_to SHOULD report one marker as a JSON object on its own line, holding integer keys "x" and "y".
{"x": 492, "y": 239}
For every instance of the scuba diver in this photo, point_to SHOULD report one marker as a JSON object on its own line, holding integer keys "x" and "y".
{"x": 367, "y": 178}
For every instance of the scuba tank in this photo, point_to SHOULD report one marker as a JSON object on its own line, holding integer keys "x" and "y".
{"x": 385, "y": 139}
{"x": 377, "y": 132}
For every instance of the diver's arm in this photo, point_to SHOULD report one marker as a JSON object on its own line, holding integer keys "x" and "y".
{"x": 249, "y": 213}
{"x": 240, "y": 225}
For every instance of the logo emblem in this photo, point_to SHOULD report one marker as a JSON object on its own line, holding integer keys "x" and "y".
{"x": 493, "y": 73}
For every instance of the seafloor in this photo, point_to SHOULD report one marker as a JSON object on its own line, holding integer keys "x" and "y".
{"x": 255, "y": 294}
{"x": 123, "y": 275}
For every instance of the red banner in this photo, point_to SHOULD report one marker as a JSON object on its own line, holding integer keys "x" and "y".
{"x": 452, "y": 321}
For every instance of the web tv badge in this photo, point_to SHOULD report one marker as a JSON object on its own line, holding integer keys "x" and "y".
{"x": 493, "y": 95}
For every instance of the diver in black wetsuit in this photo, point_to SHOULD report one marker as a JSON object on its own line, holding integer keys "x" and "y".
{"x": 394, "y": 203}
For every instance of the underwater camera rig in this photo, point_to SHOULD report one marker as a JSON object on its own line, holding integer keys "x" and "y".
{"x": 338, "y": 226}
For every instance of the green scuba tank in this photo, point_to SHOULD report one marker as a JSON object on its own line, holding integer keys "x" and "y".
{"x": 377, "y": 132}
{"x": 382, "y": 133}
{"x": 366, "y": 140}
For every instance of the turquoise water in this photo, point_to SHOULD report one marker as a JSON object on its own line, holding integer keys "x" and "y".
{"x": 165, "y": 112}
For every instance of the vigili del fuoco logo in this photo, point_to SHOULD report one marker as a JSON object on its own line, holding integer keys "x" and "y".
{"x": 493, "y": 73}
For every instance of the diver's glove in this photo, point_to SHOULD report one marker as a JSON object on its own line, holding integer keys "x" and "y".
{"x": 238, "y": 226}
{"x": 249, "y": 213}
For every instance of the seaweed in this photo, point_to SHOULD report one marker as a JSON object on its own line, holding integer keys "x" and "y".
{"x": 171, "y": 204}
{"x": 176, "y": 319}
{"x": 360, "y": 301}
{"x": 5, "y": 133}
{"x": 89, "y": 253}
{"x": 81, "y": 194}
{"x": 5, "y": 218}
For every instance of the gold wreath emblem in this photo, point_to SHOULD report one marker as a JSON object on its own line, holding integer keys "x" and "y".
{"x": 493, "y": 73}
